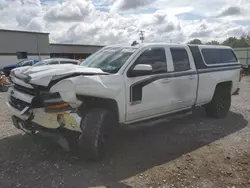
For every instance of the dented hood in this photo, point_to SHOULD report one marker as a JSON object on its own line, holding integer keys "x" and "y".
{"x": 43, "y": 75}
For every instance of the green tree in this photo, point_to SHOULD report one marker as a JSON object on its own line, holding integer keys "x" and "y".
{"x": 248, "y": 39}
{"x": 234, "y": 42}
{"x": 242, "y": 42}
{"x": 195, "y": 41}
{"x": 213, "y": 42}
{"x": 231, "y": 41}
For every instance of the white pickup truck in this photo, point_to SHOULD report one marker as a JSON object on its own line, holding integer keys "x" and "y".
{"x": 123, "y": 85}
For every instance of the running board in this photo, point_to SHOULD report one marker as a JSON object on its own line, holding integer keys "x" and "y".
{"x": 159, "y": 119}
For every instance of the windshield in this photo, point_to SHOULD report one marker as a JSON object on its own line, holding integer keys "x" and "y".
{"x": 44, "y": 62}
{"x": 110, "y": 59}
{"x": 21, "y": 62}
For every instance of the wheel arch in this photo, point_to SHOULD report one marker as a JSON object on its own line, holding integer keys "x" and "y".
{"x": 90, "y": 102}
{"x": 224, "y": 85}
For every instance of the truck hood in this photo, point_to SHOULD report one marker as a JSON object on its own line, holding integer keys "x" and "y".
{"x": 43, "y": 75}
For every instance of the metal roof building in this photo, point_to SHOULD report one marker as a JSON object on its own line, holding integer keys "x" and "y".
{"x": 18, "y": 45}
{"x": 243, "y": 55}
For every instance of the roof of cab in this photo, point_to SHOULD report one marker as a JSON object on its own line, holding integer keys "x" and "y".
{"x": 210, "y": 46}
{"x": 141, "y": 45}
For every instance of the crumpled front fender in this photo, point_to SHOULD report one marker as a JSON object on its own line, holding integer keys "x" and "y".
{"x": 66, "y": 88}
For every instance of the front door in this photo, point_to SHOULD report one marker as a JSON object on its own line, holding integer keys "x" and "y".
{"x": 149, "y": 96}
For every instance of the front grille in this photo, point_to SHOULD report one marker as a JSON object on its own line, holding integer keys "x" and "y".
{"x": 24, "y": 90}
{"x": 17, "y": 103}
{"x": 40, "y": 94}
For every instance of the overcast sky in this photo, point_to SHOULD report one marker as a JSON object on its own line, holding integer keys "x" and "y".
{"x": 119, "y": 21}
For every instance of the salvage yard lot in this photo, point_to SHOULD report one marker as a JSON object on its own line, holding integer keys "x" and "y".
{"x": 194, "y": 151}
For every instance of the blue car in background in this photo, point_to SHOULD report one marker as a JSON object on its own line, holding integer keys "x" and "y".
{"x": 26, "y": 62}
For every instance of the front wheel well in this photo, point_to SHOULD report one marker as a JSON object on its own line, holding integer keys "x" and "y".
{"x": 96, "y": 102}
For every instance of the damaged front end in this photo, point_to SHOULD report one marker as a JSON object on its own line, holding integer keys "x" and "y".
{"x": 44, "y": 100}
{"x": 31, "y": 101}
{"x": 36, "y": 104}
{"x": 37, "y": 110}
{"x": 45, "y": 96}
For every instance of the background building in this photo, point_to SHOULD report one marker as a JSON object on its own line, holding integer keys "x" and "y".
{"x": 18, "y": 45}
{"x": 72, "y": 51}
{"x": 243, "y": 55}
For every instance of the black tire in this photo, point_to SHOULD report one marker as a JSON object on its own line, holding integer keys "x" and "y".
{"x": 220, "y": 104}
{"x": 99, "y": 127}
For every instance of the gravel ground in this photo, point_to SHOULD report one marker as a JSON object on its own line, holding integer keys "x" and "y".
{"x": 194, "y": 151}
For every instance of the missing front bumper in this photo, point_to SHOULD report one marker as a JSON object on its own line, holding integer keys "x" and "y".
{"x": 66, "y": 119}
{"x": 34, "y": 129}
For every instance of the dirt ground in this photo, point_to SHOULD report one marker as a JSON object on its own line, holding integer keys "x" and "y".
{"x": 192, "y": 152}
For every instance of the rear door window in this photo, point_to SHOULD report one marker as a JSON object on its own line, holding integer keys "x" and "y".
{"x": 180, "y": 59}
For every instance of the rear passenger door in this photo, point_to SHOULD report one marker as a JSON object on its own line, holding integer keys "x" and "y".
{"x": 184, "y": 81}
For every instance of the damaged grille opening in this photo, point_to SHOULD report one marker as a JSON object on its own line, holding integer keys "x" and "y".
{"x": 17, "y": 103}
{"x": 41, "y": 95}
{"x": 24, "y": 90}
{"x": 40, "y": 99}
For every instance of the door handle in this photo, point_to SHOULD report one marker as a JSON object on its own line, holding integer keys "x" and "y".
{"x": 191, "y": 77}
{"x": 166, "y": 80}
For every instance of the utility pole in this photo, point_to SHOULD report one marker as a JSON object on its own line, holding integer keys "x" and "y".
{"x": 38, "y": 49}
{"x": 142, "y": 38}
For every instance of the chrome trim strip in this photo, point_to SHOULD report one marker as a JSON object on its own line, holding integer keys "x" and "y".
{"x": 19, "y": 95}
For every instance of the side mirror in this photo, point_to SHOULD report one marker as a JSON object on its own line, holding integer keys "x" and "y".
{"x": 141, "y": 70}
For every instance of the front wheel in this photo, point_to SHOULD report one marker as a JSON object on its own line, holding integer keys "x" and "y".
{"x": 98, "y": 127}
{"x": 220, "y": 104}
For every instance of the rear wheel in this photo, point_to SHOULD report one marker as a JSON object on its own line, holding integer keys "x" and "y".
{"x": 220, "y": 104}
{"x": 99, "y": 127}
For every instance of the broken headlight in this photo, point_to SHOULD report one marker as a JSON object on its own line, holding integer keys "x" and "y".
{"x": 53, "y": 102}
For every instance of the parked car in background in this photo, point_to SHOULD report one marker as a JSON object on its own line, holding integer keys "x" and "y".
{"x": 27, "y": 62}
{"x": 46, "y": 62}
{"x": 55, "y": 61}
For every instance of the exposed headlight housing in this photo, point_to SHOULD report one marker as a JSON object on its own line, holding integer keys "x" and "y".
{"x": 53, "y": 102}
{"x": 57, "y": 107}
